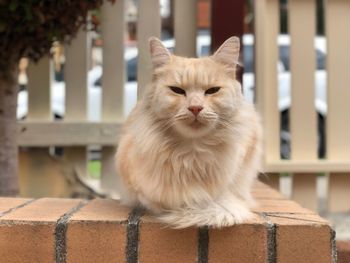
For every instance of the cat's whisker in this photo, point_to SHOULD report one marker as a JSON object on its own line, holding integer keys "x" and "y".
{"x": 226, "y": 125}
{"x": 209, "y": 118}
{"x": 181, "y": 116}
{"x": 225, "y": 121}
{"x": 167, "y": 125}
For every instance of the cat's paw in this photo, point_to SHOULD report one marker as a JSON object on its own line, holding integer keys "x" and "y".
{"x": 214, "y": 216}
{"x": 225, "y": 218}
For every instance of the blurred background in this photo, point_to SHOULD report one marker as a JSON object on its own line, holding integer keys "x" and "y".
{"x": 295, "y": 61}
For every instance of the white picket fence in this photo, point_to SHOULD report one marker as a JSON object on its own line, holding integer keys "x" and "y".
{"x": 76, "y": 133}
{"x": 304, "y": 164}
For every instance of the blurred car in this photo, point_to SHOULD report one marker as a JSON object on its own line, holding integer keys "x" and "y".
{"x": 203, "y": 49}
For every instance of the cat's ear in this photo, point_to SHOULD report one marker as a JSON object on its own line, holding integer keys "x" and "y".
{"x": 159, "y": 53}
{"x": 228, "y": 52}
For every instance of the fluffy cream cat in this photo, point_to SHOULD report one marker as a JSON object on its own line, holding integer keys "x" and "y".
{"x": 190, "y": 149}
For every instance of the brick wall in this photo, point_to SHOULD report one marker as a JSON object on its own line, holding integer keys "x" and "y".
{"x": 100, "y": 230}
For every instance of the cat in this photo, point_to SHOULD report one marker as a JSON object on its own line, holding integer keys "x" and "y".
{"x": 191, "y": 148}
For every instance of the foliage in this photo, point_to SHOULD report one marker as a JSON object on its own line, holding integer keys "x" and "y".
{"x": 29, "y": 27}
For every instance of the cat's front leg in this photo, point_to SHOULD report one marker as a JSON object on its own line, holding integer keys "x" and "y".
{"x": 231, "y": 210}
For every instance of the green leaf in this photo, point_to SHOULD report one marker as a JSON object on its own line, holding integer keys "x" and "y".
{"x": 2, "y": 26}
{"x": 28, "y": 12}
{"x": 13, "y": 5}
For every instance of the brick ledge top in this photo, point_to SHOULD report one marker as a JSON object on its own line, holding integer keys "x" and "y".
{"x": 101, "y": 230}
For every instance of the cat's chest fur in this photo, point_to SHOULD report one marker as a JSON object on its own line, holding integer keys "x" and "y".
{"x": 182, "y": 172}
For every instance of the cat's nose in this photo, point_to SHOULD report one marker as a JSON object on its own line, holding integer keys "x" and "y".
{"x": 195, "y": 109}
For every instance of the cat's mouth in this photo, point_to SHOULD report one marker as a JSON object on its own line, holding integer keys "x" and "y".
{"x": 194, "y": 127}
{"x": 196, "y": 124}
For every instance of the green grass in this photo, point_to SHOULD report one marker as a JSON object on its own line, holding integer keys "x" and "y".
{"x": 94, "y": 169}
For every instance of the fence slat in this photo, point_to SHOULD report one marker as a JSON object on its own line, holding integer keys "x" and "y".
{"x": 304, "y": 190}
{"x": 113, "y": 78}
{"x": 322, "y": 165}
{"x": 76, "y": 78}
{"x": 39, "y": 109}
{"x": 266, "y": 50}
{"x": 39, "y": 106}
{"x": 76, "y": 99}
{"x": 77, "y": 133}
{"x": 303, "y": 122}
{"x": 113, "y": 32}
{"x": 338, "y": 125}
{"x": 338, "y": 192}
{"x": 185, "y": 36}
{"x": 148, "y": 24}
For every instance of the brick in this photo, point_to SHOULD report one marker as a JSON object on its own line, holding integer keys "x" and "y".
{"x": 302, "y": 238}
{"x": 343, "y": 249}
{"x": 28, "y": 233}
{"x": 7, "y": 203}
{"x": 97, "y": 232}
{"x": 46, "y": 210}
{"x": 292, "y": 219}
{"x": 279, "y": 206}
{"x": 158, "y": 244}
{"x": 245, "y": 243}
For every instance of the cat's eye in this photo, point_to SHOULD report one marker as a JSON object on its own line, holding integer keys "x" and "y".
{"x": 178, "y": 90}
{"x": 212, "y": 90}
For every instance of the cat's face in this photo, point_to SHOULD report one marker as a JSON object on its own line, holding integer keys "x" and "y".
{"x": 194, "y": 96}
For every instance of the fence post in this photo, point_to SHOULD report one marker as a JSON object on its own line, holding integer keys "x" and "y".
{"x": 39, "y": 174}
{"x": 266, "y": 83}
{"x": 185, "y": 21}
{"x": 76, "y": 67}
{"x": 113, "y": 82}
{"x": 338, "y": 127}
{"x": 303, "y": 121}
{"x": 148, "y": 24}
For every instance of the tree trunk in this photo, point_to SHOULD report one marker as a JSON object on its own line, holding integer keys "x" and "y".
{"x": 8, "y": 133}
